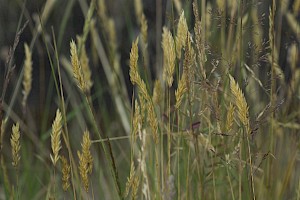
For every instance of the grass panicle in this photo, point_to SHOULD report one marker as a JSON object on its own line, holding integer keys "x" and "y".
{"x": 66, "y": 170}
{"x": 77, "y": 68}
{"x": 15, "y": 144}
{"x": 85, "y": 160}
{"x": 240, "y": 102}
{"x": 55, "y": 137}
{"x": 27, "y": 79}
{"x": 229, "y": 118}
{"x": 168, "y": 46}
{"x": 180, "y": 91}
{"x": 157, "y": 93}
{"x": 182, "y": 32}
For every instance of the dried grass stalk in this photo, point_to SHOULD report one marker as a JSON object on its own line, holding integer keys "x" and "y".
{"x": 55, "y": 137}
{"x": 169, "y": 56}
{"x": 27, "y": 78}
{"x": 15, "y": 144}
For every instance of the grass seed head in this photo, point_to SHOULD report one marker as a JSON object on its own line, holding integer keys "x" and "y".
{"x": 55, "y": 137}
{"x": 169, "y": 56}
{"x": 15, "y": 144}
{"x": 27, "y": 78}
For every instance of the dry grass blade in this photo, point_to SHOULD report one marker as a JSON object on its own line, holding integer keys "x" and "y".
{"x": 55, "y": 137}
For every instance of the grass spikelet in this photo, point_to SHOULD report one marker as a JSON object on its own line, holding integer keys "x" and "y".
{"x": 135, "y": 187}
{"x": 153, "y": 122}
{"x": 3, "y": 126}
{"x": 15, "y": 144}
{"x": 134, "y": 56}
{"x": 130, "y": 180}
{"x": 66, "y": 169}
{"x": 86, "y": 144}
{"x": 189, "y": 58}
{"x": 169, "y": 56}
{"x": 137, "y": 120}
{"x": 229, "y": 118}
{"x": 180, "y": 90}
{"x": 27, "y": 78}
{"x": 240, "y": 101}
{"x": 83, "y": 170}
{"x": 199, "y": 41}
{"x": 84, "y": 61}
{"x": 85, "y": 160}
{"x": 55, "y": 137}
{"x": 77, "y": 69}
{"x": 144, "y": 28}
{"x": 157, "y": 92}
{"x": 182, "y": 30}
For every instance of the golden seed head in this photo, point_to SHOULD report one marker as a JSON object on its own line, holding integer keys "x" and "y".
{"x": 157, "y": 92}
{"x": 27, "y": 78}
{"x": 240, "y": 101}
{"x": 180, "y": 91}
{"x": 55, "y": 137}
{"x": 77, "y": 69}
{"x": 129, "y": 180}
{"x": 144, "y": 28}
{"x": 182, "y": 31}
{"x": 84, "y": 61}
{"x": 15, "y": 144}
{"x": 169, "y": 56}
{"x": 66, "y": 169}
{"x": 153, "y": 122}
{"x": 134, "y": 56}
{"x": 137, "y": 119}
{"x": 230, "y": 117}
{"x": 85, "y": 160}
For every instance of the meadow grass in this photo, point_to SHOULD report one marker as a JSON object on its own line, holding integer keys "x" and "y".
{"x": 204, "y": 104}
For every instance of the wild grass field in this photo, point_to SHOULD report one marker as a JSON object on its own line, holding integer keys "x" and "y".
{"x": 164, "y": 99}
